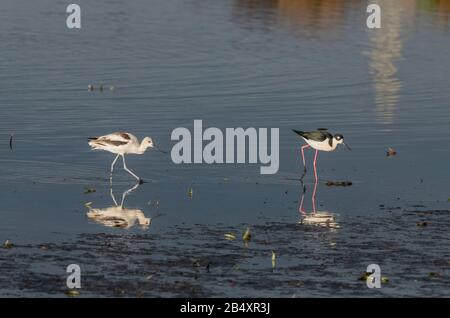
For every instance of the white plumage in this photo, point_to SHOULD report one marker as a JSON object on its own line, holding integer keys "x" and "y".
{"x": 121, "y": 143}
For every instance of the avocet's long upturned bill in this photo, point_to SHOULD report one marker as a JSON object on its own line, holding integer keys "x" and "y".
{"x": 121, "y": 143}
{"x": 319, "y": 139}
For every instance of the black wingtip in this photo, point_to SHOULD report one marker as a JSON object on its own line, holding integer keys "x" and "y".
{"x": 298, "y": 132}
{"x": 92, "y": 138}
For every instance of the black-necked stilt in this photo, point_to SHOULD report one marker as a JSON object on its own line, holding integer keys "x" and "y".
{"x": 319, "y": 139}
{"x": 122, "y": 143}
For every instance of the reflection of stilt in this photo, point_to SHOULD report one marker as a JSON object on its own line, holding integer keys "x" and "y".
{"x": 301, "y": 209}
{"x": 320, "y": 218}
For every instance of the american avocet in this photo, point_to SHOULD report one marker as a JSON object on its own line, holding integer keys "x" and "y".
{"x": 117, "y": 215}
{"x": 122, "y": 143}
{"x": 319, "y": 139}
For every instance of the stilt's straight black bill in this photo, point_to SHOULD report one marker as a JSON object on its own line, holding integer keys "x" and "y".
{"x": 298, "y": 132}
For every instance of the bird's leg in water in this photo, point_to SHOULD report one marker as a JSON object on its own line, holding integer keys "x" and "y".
{"x": 313, "y": 198}
{"x": 129, "y": 171}
{"x": 304, "y": 162}
{"x": 124, "y": 195}
{"x": 112, "y": 196}
{"x": 315, "y": 168}
{"x": 300, "y": 208}
{"x": 112, "y": 169}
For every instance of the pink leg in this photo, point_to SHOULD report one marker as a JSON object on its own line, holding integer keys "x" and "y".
{"x": 315, "y": 168}
{"x": 300, "y": 208}
{"x": 313, "y": 198}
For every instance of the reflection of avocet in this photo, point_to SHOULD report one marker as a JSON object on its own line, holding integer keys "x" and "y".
{"x": 118, "y": 215}
{"x": 316, "y": 218}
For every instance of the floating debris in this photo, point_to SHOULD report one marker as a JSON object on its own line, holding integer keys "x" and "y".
{"x": 433, "y": 274}
{"x": 247, "y": 235}
{"x": 338, "y": 183}
{"x": 391, "y": 152}
{"x": 273, "y": 259}
{"x": 190, "y": 193}
{"x": 230, "y": 236}
{"x": 101, "y": 88}
{"x": 195, "y": 262}
{"x": 8, "y": 244}
{"x": 72, "y": 293}
{"x": 89, "y": 190}
{"x": 88, "y": 204}
{"x": 10, "y": 141}
{"x": 364, "y": 276}
{"x": 422, "y": 224}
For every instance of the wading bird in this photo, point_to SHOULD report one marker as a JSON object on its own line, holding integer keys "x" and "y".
{"x": 122, "y": 143}
{"x": 319, "y": 139}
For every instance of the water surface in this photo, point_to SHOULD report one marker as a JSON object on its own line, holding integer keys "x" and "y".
{"x": 275, "y": 63}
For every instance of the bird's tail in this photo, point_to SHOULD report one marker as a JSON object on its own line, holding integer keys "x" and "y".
{"x": 93, "y": 143}
{"x": 298, "y": 132}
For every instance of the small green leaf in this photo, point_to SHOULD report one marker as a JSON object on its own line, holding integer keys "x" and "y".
{"x": 247, "y": 235}
{"x": 8, "y": 244}
{"x": 89, "y": 190}
{"x": 72, "y": 293}
{"x": 230, "y": 236}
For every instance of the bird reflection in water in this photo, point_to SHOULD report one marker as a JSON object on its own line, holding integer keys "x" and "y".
{"x": 117, "y": 215}
{"x": 315, "y": 218}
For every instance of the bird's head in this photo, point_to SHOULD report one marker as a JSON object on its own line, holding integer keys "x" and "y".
{"x": 340, "y": 140}
{"x": 147, "y": 142}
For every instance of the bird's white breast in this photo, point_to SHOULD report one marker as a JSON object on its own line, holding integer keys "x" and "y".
{"x": 321, "y": 145}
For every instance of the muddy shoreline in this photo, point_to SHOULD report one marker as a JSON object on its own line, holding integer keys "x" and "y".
{"x": 197, "y": 261}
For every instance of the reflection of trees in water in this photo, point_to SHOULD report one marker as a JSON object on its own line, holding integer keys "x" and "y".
{"x": 317, "y": 18}
{"x": 440, "y": 7}
{"x": 254, "y": 14}
{"x": 311, "y": 17}
{"x": 385, "y": 53}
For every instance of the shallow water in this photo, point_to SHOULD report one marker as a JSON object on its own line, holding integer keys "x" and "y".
{"x": 276, "y": 63}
